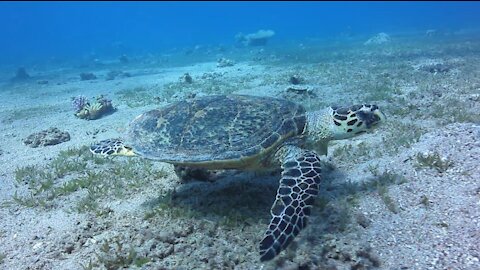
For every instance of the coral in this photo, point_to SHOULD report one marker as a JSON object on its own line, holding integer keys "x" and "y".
{"x": 104, "y": 101}
{"x": 378, "y": 39}
{"x": 50, "y": 136}
{"x": 95, "y": 110}
{"x": 79, "y": 102}
{"x": 259, "y": 38}
{"x": 85, "y": 76}
{"x": 90, "y": 111}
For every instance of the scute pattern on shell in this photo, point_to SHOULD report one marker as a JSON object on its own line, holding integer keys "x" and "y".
{"x": 215, "y": 128}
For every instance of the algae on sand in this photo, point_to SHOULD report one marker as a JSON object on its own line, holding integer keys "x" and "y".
{"x": 77, "y": 169}
{"x": 32, "y": 112}
{"x": 138, "y": 97}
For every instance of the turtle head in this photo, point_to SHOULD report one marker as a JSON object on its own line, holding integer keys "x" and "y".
{"x": 112, "y": 147}
{"x": 347, "y": 122}
{"x": 337, "y": 123}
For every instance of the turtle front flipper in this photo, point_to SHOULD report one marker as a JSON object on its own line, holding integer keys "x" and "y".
{"x": 112, "y": 147}
{"x": 295, "y": 196}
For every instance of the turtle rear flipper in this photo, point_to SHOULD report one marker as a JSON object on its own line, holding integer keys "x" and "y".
{"x": 111, "y": 147}
{"x": 185, "y": 174}
{"x": 295, "y": 196}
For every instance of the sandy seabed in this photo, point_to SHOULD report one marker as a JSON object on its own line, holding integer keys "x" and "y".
{"x": 404, "y": 197}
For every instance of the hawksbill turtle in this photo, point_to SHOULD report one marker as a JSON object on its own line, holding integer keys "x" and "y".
{"x": 248, "y": 133}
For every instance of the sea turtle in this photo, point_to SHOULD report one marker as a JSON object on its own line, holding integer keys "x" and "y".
{"x": 248, "y": 133}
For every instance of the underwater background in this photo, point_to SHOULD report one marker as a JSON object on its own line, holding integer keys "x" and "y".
{"x": 72, "y": 74}
{"x": 42, "y": 30}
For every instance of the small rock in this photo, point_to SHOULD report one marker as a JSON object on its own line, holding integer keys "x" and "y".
{"x": 187, "y": 78}
{"x": 165, "y": 252}
{"x": 367, "y": 254}
{"x": 211, "y": 75}
{"x": 69, "y": 248}
{"x": 37, "y": 245}
{"x": 296, "y": 79}
{"x": 123, "y": 59}
{"x": 474, "y": 97}
{"x": 167, "y": 237}
{"x": 42, "y": 82}
{"x": 180, "y": 248}
{"x": 305, "y": 90}
{"x": 85, "y": 76}
{"x": 258, "y": 38}
{"x": 117, "y": 74}
{"x": 437, "y": 68}
{"x": 184, "y": 231}
{"x": 362, "y": 220}
{"x": 224, "y": 62}
{"x": 437, "y": 92}
{"x": 50, "y": 136}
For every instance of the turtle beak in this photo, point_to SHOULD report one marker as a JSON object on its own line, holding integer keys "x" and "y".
{"x": 373, "y": 117}
{"x": 379, "y": 116}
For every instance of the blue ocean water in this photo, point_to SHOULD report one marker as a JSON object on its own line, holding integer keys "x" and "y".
{"x": 40, "y": 30}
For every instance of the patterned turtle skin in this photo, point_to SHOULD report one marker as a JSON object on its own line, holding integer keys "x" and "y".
{"x": 227, "y": 132}
{"x": 249, "y": 132}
